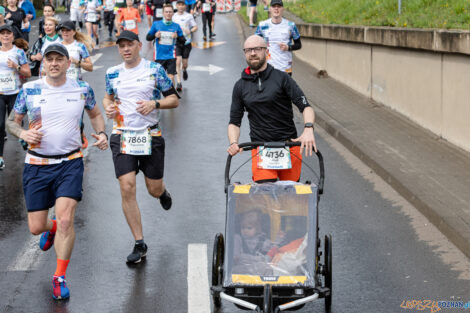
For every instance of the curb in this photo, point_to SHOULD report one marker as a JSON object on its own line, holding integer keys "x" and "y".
{"x": 341, "y": 134}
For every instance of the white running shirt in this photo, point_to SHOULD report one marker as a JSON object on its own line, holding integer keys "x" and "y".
{"x": 9, "y": 77}
{"x": 59, "y": 111}
{"x": 274, "y": 34}
{"x": 186, "y": 22}
{"x": 146, "y": 81}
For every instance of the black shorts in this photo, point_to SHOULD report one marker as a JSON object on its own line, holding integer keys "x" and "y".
{"x": 151, "y": 165}
{"x": 253, "y": 3}
{"x": 169, "y": 65}
{"x": 183, "y": 50}
{"x": 190, "y": 7}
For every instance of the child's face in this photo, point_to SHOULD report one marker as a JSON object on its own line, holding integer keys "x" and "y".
{"x": 248, "y": 230}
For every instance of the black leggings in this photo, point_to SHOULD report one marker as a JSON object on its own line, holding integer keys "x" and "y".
{"x": 207, "y": 19}
{"x": 6, "y": 105}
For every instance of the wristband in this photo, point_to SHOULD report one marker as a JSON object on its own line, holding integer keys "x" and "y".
{"x": 157, "y": 104}
{"x": 234, "y": 143}
{"x": 102, "y": 132}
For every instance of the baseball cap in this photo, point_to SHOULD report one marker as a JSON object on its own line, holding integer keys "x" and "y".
{"x": 7, "y": 27}
{"x": 180, "y": 1}
{"x": 127, "y": 35}
{"x": 57, "y": 48}
{"x": 277, "y": 2}
{"x": 67, "y": 25}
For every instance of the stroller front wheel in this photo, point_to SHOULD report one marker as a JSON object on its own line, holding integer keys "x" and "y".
{"x": 217, "y": 266}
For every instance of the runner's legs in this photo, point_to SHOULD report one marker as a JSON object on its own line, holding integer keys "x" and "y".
{"x": 65, "y": 234}
{"x": 178, "y": 68}
{"x": 38, "y": 222}
{"x": 127, "y": 183}
{"x": 155, "y": 187}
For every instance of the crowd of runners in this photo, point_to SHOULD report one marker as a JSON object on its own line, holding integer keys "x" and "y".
{"x": 136, "y": 90}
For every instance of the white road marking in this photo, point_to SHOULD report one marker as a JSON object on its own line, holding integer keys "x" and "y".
{"x": 212, "y": 69}
{"x": 198, "y": 279}
{"x": 27, "y": 259}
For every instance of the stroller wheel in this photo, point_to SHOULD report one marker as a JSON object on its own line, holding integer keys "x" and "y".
{"x": 268, "y": 299}
{"x": 328, "y": 255}
{"x": 217, "y": 266}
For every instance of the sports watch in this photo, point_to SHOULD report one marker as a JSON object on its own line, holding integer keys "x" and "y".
{"x": 308, "y": 125}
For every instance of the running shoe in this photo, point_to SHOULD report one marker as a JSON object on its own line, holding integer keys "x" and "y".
{"x": 2, "y": 164}
{"x": 165, "y": 200}
{"x": 213, "y": 35}
{"x": 204, "y": 38}
{"x": 47, "y": 240}
{"x": 179, "y": 87}
{"x": 185, "y": 75}
{"x": 139, "y": 252}
{"x": 97, "y": 41}
{"x": 60, "y": 290}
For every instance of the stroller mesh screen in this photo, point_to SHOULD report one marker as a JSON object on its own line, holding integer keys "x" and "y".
{"x": 270, "y": 234}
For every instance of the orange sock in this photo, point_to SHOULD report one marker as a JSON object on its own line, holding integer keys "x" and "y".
{"x": 54, "y": 226}
{"x": 61, "y": 267}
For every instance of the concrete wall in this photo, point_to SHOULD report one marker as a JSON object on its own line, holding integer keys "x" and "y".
{"x": 428, "y": 86}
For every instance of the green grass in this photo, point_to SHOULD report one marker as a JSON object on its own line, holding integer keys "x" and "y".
{"x": 448, "y": 14}
{"x": 262, "y": 15}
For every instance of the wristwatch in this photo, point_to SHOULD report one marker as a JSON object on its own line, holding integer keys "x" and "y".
{"x": 308, "y": 125}
{"x": 18, "y": 68}
{"x": 157, "y": 104}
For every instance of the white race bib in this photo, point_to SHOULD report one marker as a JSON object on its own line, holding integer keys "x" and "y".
{"x": 7, "y": 82}
{"x": 274, "y": 158}
{"x": 136, "y": 142}
{"x": 130, "y": 24}
{"x": 159, "y": 12}
{"x": 206, "y": 7}
{"x": 166, "y": 38}
{"x": 92, "y": 17}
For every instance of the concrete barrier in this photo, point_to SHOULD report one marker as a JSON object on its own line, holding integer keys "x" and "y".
{"x": 419, "y": 73}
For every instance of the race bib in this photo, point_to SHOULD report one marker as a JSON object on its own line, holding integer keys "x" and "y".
{"x": 92, "y": 17}
{"x": 159, "y": 12}
{"x": 7, "y": 82}
{"x": 274, "y": 158}
{"x": 136, "y": 142}
{"x": 206, "y": 7}
{"x": 166, "y": 38}
{"x": 73, "y": 73}
{"x": 130, "y": 24}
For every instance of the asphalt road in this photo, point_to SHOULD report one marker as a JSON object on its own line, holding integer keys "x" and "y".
{"x": 385, "y": 252}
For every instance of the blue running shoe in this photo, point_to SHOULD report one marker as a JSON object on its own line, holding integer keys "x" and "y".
{"x": 60, "y": 290}
{"x": 47, "y": 240}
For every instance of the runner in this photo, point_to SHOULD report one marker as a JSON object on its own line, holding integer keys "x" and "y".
{"x": 13, "y": 63}
{"x": 133, "y": 99}
{"x": 188, "y": 25}
{"x": 51, "y": 37}
{"x": 53, "y": 170}
{"x": 109, "y": 17}
{"x": 149, "y": 12}
{"x": 166, "y": 34}
{"x": 129, "y": 17}
{"x": 78, "y": 48}
{"x": 207, "y": 11}
{"x": 76, "y": 12}
{"x": 47, "y": 11}
{"x": 92, "y": 18}
{"x": 267, "y": 95}
{"x": 282, "y": 37}
{"x": 118, "y": 5}
{"x": 191, "y": 6}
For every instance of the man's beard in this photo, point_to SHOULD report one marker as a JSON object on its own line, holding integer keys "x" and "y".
{"x": 257, "y": 66}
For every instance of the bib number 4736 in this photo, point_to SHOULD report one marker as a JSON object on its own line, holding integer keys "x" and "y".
{"x": 274, "y": 158}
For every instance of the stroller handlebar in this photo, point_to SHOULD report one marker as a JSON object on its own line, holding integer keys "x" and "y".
{"x": 252, "y": 145}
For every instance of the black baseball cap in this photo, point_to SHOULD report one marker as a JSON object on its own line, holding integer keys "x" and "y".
{"x": 180, "y": 1}
{"x": 6, "y": 27}
{"x": 57, "y": 48}
{"x": 277, "y": 2}
{"x": 127, "y": 35}
{"x": 67, "y": 25}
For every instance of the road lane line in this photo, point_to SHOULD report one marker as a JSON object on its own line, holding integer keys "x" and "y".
{"x": 198, "y": 279}
{"x": 28, "y": 256}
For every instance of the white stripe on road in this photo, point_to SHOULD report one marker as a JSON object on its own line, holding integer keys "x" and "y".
{"x": 198, "y": 279}
{"x": 28, "y": 257}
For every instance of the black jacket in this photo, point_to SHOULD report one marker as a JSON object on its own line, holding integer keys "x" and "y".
{"x": 267, "y": 97}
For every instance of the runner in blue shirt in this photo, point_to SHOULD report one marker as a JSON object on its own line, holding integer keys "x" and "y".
{"x": 166, "y": 33}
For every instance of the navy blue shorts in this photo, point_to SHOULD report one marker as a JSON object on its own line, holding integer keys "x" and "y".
{"x": 43, "y": 184}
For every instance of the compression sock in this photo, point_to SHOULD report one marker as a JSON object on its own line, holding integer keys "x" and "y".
{"x": 61, "y": 267}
